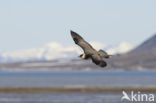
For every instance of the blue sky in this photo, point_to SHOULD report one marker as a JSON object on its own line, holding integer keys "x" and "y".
{"x": 31, "y": 23}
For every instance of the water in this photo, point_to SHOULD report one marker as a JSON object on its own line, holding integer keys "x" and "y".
{"x": 63, "y": 97}
{"x": 70, "y": 78}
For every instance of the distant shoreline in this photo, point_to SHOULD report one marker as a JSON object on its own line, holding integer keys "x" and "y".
{"x": 79, "y": 89}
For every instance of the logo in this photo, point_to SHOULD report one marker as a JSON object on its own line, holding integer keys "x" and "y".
{"x": 137, "y": 97}
{"x": 125, "y": 96}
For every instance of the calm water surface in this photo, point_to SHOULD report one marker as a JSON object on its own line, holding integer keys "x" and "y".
{"x": 69, "y": 78}
{"x": 73, "y": 78}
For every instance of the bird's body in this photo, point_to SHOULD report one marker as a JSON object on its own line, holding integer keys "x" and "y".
{"x": 89, "y": 51}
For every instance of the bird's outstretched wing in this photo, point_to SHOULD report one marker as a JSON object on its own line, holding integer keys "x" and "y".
{"x": 81, "y": 42}
{"x": 103, "y": 54}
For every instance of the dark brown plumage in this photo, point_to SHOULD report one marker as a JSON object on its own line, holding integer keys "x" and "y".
{"x": 89, "y": 51}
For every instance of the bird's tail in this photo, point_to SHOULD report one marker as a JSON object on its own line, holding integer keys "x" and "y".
{"x": 102, "y": 64}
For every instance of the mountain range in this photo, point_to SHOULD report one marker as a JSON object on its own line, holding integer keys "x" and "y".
{"x": 54, "y": 56}
{"x": 141, "y": 57}
{"x": 54, "y": 50}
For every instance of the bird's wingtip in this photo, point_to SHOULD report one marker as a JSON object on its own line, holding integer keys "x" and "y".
{"x": 71, "y": 31}
{"x": 75, "y": 35}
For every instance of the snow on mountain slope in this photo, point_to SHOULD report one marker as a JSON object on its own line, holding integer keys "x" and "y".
{"x": 48, "y": 51}
{"x": 123, "y": 47}
{"x": 54, "y": 50}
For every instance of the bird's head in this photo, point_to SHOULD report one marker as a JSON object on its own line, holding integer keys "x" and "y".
{"x": 83, "y": 56}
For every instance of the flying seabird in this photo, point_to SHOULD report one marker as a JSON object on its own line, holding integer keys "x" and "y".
{"x": 89, "y": 51}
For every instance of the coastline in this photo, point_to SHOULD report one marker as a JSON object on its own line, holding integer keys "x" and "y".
{"x": 79, "y": 89}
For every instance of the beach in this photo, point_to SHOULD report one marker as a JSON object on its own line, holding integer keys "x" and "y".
{"x": 73, "y": 86}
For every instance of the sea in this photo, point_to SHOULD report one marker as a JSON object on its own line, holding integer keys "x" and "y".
{"x": 72, "y": 79}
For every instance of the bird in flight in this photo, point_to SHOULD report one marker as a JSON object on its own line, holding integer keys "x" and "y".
{"x": 89, "y": 51}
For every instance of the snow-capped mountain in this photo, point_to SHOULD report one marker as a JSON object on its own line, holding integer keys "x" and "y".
{"x": 123, "y": 47}
{"x": 54, "y": 50}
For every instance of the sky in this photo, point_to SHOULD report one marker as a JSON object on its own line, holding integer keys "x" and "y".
{"x": 32, "y": 23}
